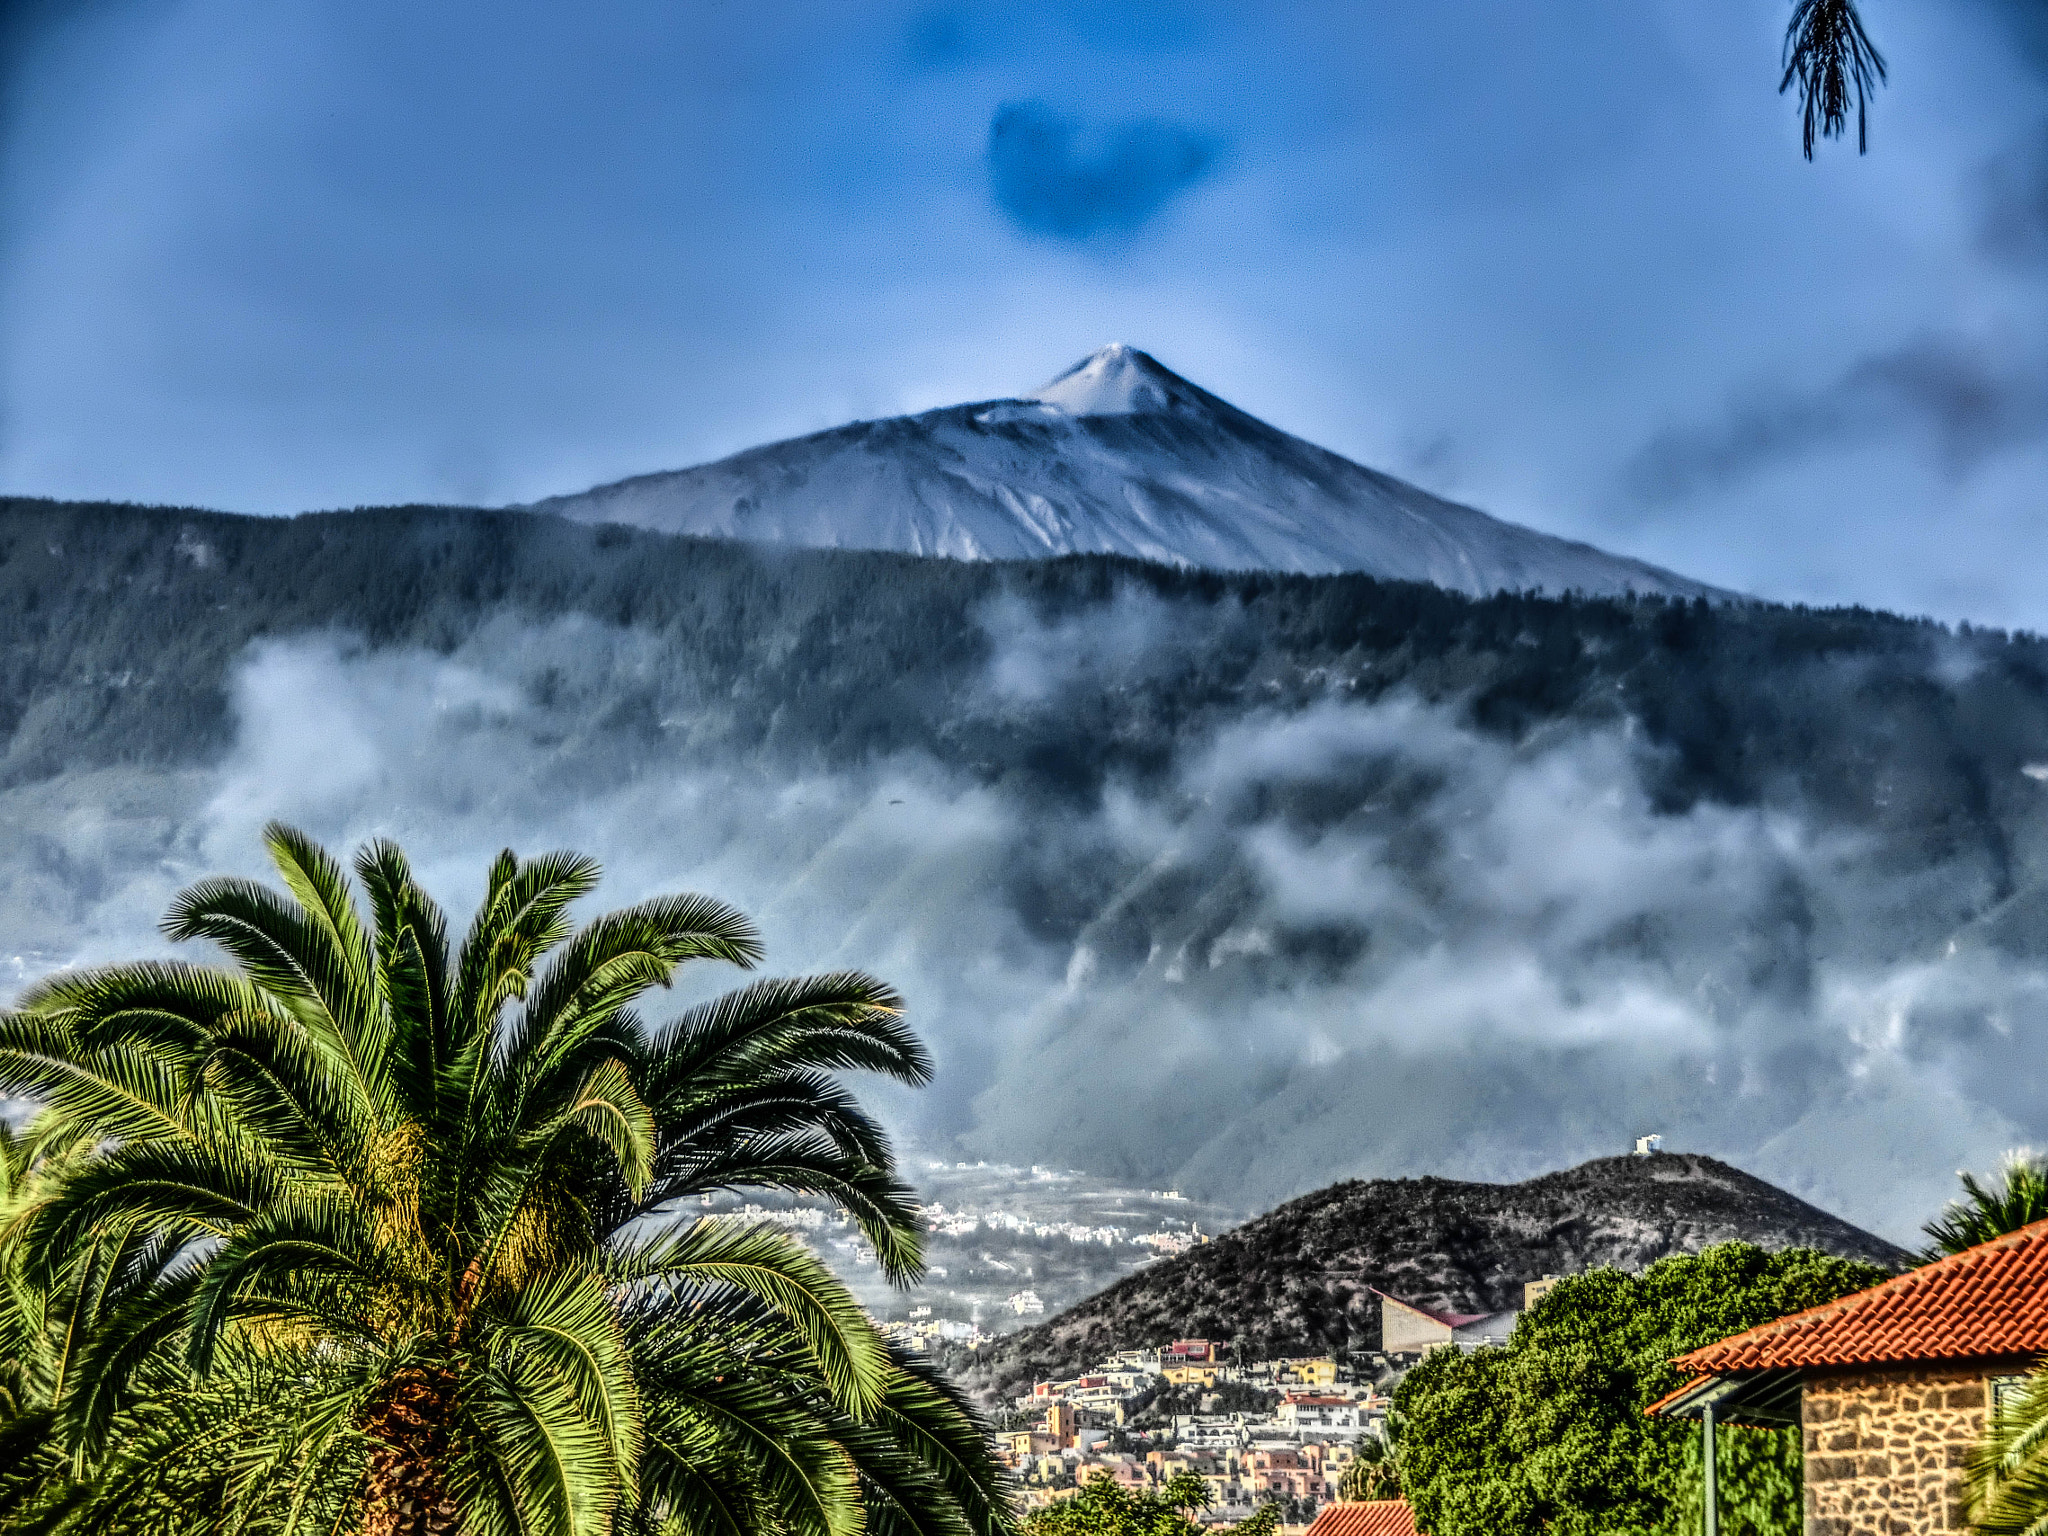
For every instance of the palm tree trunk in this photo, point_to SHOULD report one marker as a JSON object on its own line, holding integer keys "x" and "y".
{"x": 408, "y": 1495}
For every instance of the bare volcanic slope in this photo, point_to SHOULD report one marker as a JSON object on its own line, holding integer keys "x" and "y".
{"x": 1298, "y": 1278}
{"x": 1117, "y": 456}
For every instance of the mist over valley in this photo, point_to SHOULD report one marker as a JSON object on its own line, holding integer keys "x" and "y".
{"x": 1234, "y": 884}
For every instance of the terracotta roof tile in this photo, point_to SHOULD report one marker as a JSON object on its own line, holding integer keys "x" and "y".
{"x": 1375, "y": 1517}
{"x": 1987, "y": 1301}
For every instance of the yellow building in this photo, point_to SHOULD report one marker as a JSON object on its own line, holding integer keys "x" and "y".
{"x": 1312, "y": 1371}
{"x": 1062, "y": 1424}
{"x": 1194, "y": 1375}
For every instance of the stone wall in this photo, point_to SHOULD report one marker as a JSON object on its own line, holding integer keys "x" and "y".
{"x": 1885, "y": 1449}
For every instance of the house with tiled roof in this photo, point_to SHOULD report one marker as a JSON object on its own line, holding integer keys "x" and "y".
{"x": 1891, "y": 1387}
{"x": 1371, "y": 1517}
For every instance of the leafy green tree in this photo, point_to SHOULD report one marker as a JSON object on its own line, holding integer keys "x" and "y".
{"x": 2019, "y": 1198}
{"x": 1548, "y": 1434}
{"x": 1101, "y": 1507}
{"x": 409, "y": 1202}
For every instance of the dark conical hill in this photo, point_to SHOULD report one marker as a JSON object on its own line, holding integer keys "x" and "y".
{"x": 1300, "y": 1278}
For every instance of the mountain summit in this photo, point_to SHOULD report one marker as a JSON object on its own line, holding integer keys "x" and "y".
{"x": 1122, "y": 381}
{"x": 1118, "y": 455}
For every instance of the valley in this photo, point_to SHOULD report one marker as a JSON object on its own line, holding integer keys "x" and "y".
{"x": 1306, "y": 876}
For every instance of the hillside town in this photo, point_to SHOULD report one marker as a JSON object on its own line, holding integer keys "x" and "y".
{"x": 1274, "y": 1430}
{"x": 1279, "y": 1431}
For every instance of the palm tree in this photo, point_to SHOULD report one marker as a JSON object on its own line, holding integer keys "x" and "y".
{"x": 2019, "y": 1199}
{"x": 1831, "y": 59}
{"x": 422, "y": 1198}
{"x": 1374, "y": 1472}
{"x": 2005, "y": 1481}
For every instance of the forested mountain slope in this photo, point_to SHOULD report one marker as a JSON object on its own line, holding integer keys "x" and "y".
{"x": 1324, "y": 875}
{"x": 119, "y": 625}
{"x": 1297, "y": 1279}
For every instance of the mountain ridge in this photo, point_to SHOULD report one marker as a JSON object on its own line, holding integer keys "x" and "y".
{"x": 1116, "y": 455}
{"x": 1304, "y": 1277}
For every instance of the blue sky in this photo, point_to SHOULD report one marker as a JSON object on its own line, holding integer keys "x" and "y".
{"x": 1563, "y": 261}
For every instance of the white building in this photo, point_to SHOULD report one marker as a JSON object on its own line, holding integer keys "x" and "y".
{"x": 1311, "y": 1411}
{"x": 1209, "y": 1432}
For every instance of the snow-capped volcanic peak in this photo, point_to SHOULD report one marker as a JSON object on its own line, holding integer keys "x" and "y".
{"x": 1117, "y": 456}
{"x": 1119, "y": 380}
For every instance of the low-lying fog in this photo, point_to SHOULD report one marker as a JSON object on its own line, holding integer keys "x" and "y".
{"x": 1346, "y": 939}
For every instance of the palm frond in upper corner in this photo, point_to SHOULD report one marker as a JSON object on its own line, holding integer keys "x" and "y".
{"x": 1832, "y": 60}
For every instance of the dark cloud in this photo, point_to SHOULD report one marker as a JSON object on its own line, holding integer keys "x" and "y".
{"x": 2028, "y": 20}
{"x": 939, "y": 39}
{"x": 1959, "y": 400}
{"x": 1055, "y": 176}
{"x": 2014, "y": 189}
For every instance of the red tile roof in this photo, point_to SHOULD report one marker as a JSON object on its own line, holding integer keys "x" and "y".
{"x": 1987, "y": 1301}
{"x": 1375, "y": 1517}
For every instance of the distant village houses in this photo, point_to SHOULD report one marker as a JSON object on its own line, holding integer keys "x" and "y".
{"x": 1294, "y": 1448}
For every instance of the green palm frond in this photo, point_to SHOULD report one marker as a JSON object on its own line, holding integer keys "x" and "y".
{"x": 320, "y": 885}
{"x": 882, "y": 1205}
{"x": 616, "y": 958}
{"x": 773, "y": 1268}
{"x": 412, "y": 970}
{"x": 845, "y": 1021}
{"x": 523, "y": 916}
{"x": 925, "y": 1462}
{"x": 142, "y": 1327}
{"x": 760, "y": 1436}
{"x": 568, "y": 1324}
{"x": 292, "y": 1239}
{"x": 712, "y": 1115}
{"x": 121, "y": 1092}
{"x": 529, "y": 1438}
{"x": 2018, "y": 1199}
{"x": 280, "y": 947}
{"x": 1831, "y": 59}
{"x": 163, "y": 1003}
{"x": 266, "y": 1448}
{"x": 704, "y": 1491}
{"x": 2005, "y": 1481}
{"x": 193, "y": 1190}
{"x": 609, "y": 1110}
{"x": 739, "y": 1433}
{"x": 273, "y": 1075}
